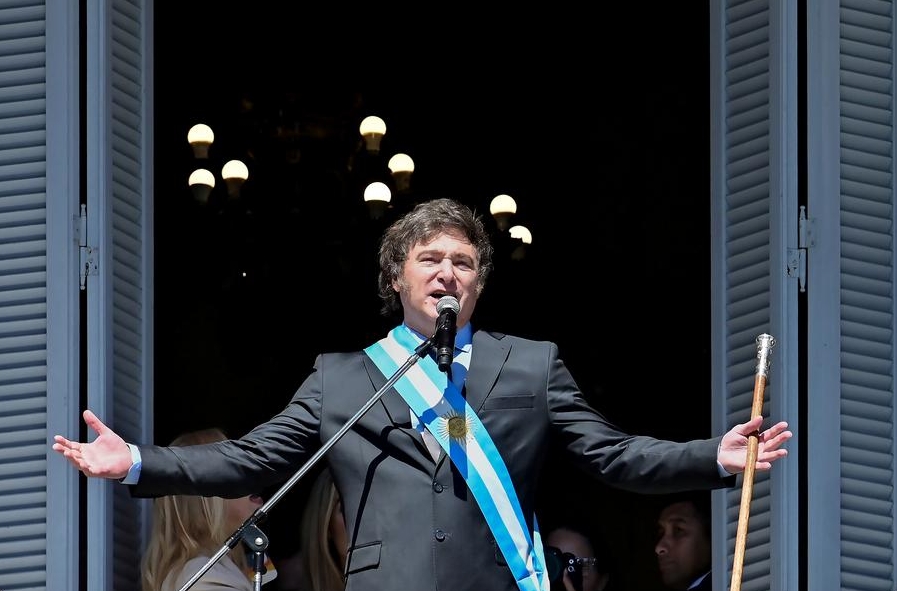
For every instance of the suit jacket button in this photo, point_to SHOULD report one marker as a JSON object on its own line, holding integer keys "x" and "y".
{"x": 439, "y": 535}
{"x": 437, "y": 486}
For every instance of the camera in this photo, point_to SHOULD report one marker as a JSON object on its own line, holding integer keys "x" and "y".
{"x": 556, "y": 563}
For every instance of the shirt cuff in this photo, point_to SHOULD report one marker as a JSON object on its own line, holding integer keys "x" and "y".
{"x": 722, "y": 471}
{"x": 134, "y": 472}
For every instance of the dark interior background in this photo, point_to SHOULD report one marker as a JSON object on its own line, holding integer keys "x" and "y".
{"x": 595, "y": 120}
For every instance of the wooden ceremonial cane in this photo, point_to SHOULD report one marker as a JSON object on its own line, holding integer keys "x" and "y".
{"x": 765, "y": 342}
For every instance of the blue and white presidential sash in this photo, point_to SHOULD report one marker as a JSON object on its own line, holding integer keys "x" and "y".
{"x": 445, "y": 413}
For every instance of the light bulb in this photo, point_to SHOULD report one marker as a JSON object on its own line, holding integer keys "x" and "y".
{"x": 525, "y": 237}
{"x": 521, "y": 233}
{"x": 377, "y": 191}
{"x": 377, "y": 196}
{"x": 372, "y": 129}
{"x": 201, "y": 182}
{"x": 502, "y": 208}
{"x": 200, "y": 138}
{"x": 401, "y": 166}
{"x": 234, "y": 173}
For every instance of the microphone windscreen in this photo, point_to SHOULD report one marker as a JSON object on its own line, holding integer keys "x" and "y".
{"x": 448, "y": 302}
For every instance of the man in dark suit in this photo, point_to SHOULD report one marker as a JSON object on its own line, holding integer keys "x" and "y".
{"x": 683, "y": 547}
{"x": 438, "y": 478}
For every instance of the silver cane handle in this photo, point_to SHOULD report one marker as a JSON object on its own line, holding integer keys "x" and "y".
{"x": 765, "y": 343}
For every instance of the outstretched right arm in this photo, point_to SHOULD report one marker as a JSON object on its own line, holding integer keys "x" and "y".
{"x": 108, "y": 456}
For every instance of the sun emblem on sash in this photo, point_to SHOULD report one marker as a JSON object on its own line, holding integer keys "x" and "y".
{"x": 456, "y": 427}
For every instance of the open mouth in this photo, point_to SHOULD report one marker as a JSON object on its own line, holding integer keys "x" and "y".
{"x": 437, "y": 295}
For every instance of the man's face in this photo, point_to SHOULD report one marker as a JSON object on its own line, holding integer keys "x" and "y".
{"x": 447, "y": 265}
{"x": 683, "y": 550}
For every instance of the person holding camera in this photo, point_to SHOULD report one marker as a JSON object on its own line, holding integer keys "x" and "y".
{"x": 438, "y": 479}
{"x": 577, "y": 560}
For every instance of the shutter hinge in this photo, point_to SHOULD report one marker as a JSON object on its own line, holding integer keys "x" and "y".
{"x": 797, "y": 257}
{"x": 87, "y": 254}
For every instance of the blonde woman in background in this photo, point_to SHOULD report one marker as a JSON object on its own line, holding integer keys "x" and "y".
{"x": 188, "y": 530}
{"x": 323, "y": 538}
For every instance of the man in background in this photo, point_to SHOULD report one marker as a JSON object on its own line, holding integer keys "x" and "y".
{"x": 683, "y": 542}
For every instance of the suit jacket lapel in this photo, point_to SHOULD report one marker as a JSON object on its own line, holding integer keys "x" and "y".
{"x": 396, "y": 408}
{"x": 489, "y": 356}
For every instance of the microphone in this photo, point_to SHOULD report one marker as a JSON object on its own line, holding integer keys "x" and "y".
{"x": 444, "y": 339}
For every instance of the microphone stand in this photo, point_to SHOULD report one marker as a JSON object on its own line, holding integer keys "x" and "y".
{"x": 249, "y": 532}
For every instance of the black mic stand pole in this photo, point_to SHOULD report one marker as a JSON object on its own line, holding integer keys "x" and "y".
{"x": 249, "y": 531}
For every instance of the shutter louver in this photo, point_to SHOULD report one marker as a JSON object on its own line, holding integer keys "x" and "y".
{"x": 747, "y": 257}
{"x": 867, "y": 303}
{"x": 128, "y": 266}
{"x": 120, "y": 346}
{"x": 23, "y": 298}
